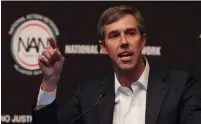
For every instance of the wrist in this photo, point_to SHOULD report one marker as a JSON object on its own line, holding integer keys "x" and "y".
{"x": 48, "y": 87}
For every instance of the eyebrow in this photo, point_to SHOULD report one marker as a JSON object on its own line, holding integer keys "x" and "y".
{"x": 113, "y": 32}
{"x": 130, "y": 29}
{"x": 127, "y": 30}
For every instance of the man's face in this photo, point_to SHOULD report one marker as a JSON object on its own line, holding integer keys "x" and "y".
{"x": 123, "y": 42}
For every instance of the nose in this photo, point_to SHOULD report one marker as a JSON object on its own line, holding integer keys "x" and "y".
{"x": 124, "y": 41}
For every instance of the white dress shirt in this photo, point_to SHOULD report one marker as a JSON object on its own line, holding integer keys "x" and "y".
{"x": 130, "y": 106}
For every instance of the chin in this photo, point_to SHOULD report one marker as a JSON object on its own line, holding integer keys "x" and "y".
{"x": 126, "y": 67}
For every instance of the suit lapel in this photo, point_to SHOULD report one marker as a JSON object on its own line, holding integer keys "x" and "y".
{"x": 156, "y": 91}
{"x": 106, "y": 103}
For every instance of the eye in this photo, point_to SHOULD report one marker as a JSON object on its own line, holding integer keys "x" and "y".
{"x": 131, "y": 33}
{"x": 114, "y": 35}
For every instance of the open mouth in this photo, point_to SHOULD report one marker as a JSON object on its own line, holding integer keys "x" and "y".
{"x": 125, "y": 56}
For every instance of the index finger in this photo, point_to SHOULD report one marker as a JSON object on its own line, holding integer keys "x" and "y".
{"x": 52, "y": 43}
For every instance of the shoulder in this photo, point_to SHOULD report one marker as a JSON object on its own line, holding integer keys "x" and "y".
{"x": 177, "y": 76}
{"x": 97, "y": 82}
{"x": 174, "y": 73}
{"x": 94, "y": 82}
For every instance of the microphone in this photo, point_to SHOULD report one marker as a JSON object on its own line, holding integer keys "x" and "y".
{"x": 97, "y": 101}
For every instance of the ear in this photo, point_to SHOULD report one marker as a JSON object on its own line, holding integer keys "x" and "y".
{"x": 102, "y": 46}
{"x": 144, "y": 39}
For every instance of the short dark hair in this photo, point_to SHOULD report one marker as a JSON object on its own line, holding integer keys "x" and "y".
{"x": 113, "y": 14}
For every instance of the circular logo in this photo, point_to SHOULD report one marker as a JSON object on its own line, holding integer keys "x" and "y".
{"x": 28, "y": 40}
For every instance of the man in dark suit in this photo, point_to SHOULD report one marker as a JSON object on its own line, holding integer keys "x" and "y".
{"x": 136, "y": 93}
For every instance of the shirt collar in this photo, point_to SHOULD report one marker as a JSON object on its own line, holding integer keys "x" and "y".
{"x": 143, "y": 79}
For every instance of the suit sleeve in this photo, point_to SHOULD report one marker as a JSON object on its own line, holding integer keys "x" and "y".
{"x": 190, "y": 109}
{"x": 50, "y": 114}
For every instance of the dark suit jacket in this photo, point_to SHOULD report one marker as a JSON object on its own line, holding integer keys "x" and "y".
{"x": 173, "y": 97}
